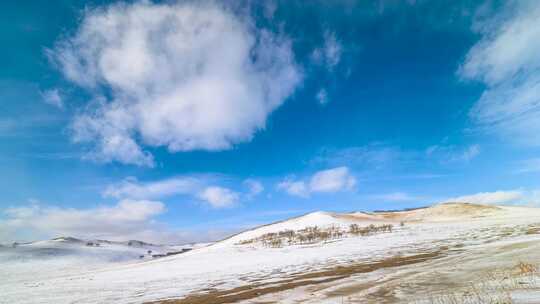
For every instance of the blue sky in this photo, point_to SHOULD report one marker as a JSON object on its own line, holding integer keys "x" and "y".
{"x": 184, "y": 121}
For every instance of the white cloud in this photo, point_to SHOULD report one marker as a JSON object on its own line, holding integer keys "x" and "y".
{"x": 295, "y": 188}
{"x": 219, "y": 197}
{"x": 332, "y": 180}
{"x": 326, "y": 181}
{"x": 497, "y": 197}
{"x": 53, "y": 98}
{"x": 330, "y": 53}
{"x": 132, "y": 188}
{"x": 123, "y": 220}
{"x": 254, "y": 188}
{"x": 186, "y": 76}
{"x": 322, "y": 96}
{"x": 507, "y": 61}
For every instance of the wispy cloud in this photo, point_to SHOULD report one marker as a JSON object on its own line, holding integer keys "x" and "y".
{"x": 528, "y": 166}
{"x": 329, "y": 54}
{"x": 51, "y": 155}
{"x": 372, "y": 156}
{"x": 26, "y": 126}
{"x": 381, "y": 161}
{"x": 453, "y": 153}
{"x": 53, "y": 98}
{"x": 507, "y": 61}
{"x": 385, "y": 157}
{"x": 205, "y": 188}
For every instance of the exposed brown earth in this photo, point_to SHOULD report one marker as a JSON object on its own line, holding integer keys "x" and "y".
{"x": 319, "y": 277}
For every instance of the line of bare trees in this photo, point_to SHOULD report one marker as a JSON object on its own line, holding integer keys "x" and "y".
{"x": 354, "y": 229}
{"x": 314, "y": 234}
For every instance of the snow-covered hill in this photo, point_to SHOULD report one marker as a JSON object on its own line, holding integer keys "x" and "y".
{"x": 96, "y": 250}
{"x": 437, "y": 213}
{"x": 434, "y": 239}
{"x": 68, "y": 255}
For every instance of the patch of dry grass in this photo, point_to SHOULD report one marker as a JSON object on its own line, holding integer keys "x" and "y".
{"x": 494, "y": 287}
{"x": 526, "y": 268}
{"x": 471, "y": 296}
{"x": 533, "y": 230}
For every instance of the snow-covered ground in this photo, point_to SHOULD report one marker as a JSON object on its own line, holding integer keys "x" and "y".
{"x": 452, "y": 232}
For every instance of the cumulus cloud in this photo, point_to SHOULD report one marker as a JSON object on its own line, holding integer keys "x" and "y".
{"x": 126, "y": 218}
{"x": 325, "y": 181}
{"x": 507, "y": 61}
{"x": 332, "y": 180}
{"x": 186, "y": 76}
{"x": 497, "y": 197}
{"x": 53, "y": 98}
{"x": 219, "y": 197}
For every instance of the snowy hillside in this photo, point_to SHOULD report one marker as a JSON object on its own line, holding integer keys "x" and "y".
{"x": 454, "y": 239}
{"x": 441, "y": 212}
{"x": 64, "y": 255}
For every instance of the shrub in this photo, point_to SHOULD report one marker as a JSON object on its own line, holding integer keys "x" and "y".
{"x": 526, "y": 268}
{"x": 354, "y": 229}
